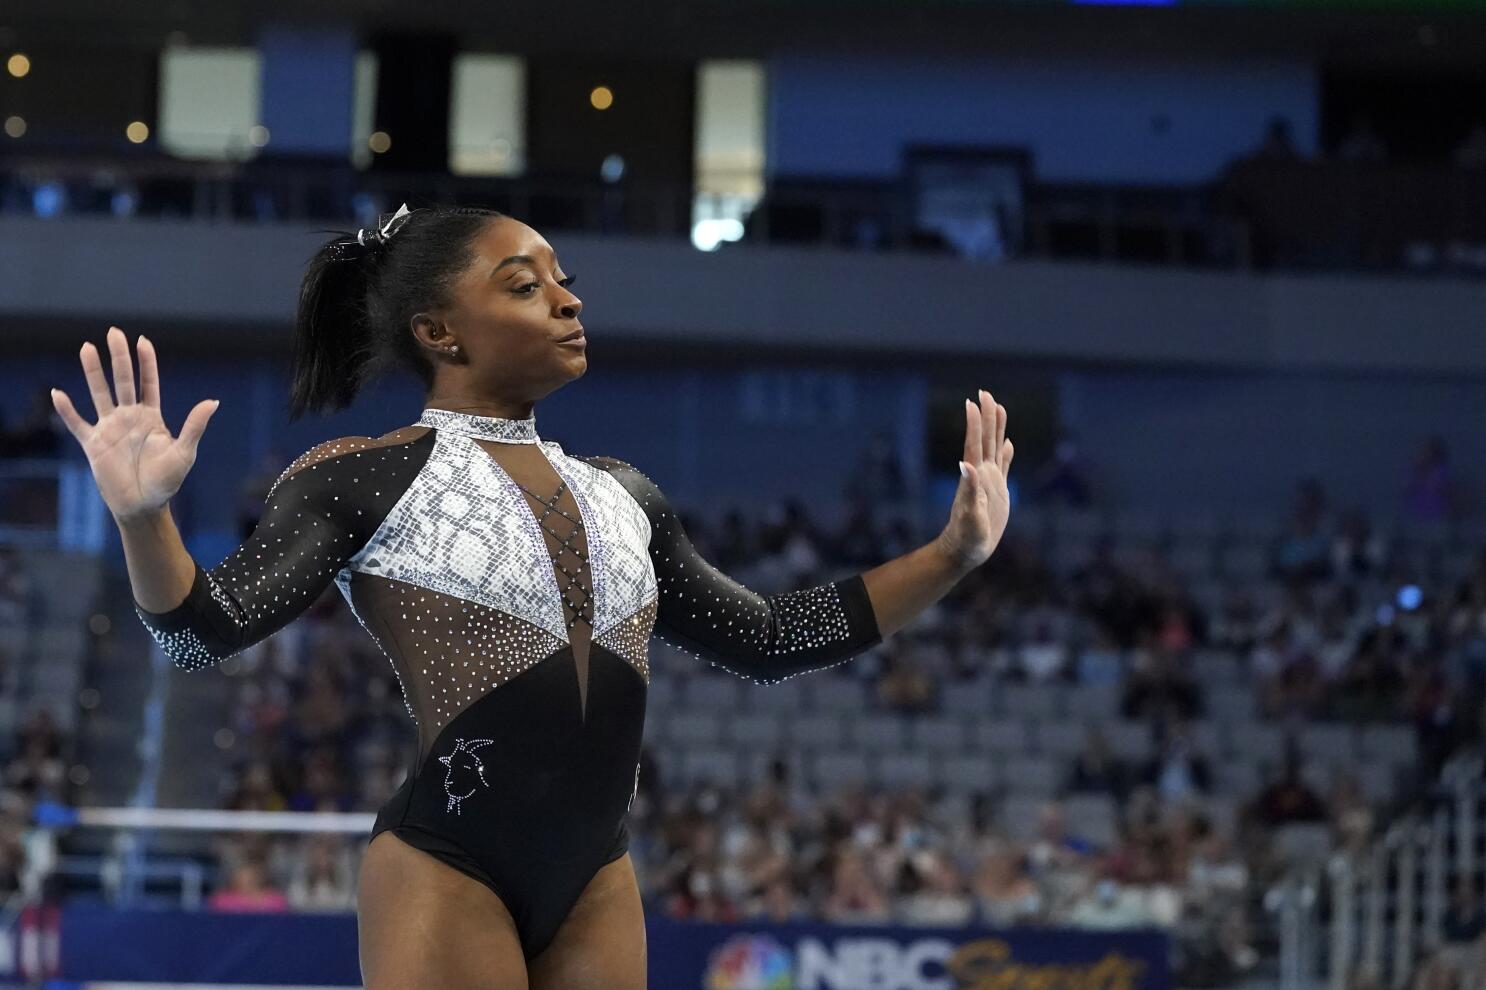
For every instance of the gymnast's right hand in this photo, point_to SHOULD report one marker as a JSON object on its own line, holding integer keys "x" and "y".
{"x": 137, "y": 464}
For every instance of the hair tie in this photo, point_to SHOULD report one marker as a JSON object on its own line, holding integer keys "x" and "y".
{"x": 380, "y": 235}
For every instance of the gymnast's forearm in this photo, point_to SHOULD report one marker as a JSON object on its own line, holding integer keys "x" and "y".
{"x": 160, "y": 569}
{"x": 902, "y": 588}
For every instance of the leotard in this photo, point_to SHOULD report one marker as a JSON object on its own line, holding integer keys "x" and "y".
{"x": 516, "y": 606}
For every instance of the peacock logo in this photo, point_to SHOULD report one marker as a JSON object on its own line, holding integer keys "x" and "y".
{"x": 750, "y": 962}
{"x": 466, "y": 773}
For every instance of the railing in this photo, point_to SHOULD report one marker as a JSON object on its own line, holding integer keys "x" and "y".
{"x": 1278, "y": 214}
{"x": 1109, "y": 224}
{"x": 1386, "y": 905}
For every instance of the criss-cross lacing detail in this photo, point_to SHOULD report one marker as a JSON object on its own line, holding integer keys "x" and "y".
{"x": 566, "y": 541}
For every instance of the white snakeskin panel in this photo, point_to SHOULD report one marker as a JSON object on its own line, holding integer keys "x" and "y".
{"x": 464, "y": 528}
{"x": 618, "y": 540}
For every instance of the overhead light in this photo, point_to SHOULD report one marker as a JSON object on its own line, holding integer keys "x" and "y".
{"x": 15, "y": 126}
{"x": 379, "y": 142}
{"x": 138, "y": 132}
{"x": 602, "y": 97}
{"x": 18, "y": 65}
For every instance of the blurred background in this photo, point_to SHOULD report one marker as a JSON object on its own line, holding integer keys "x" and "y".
{"x": 1212, "y": 716}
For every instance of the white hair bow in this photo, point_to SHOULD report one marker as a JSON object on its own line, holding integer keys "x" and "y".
{"x": 387, "y": 229}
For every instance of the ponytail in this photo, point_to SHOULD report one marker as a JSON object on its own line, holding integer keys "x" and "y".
{"x": 332, "y": 337}
{"x": 357, "y": 300}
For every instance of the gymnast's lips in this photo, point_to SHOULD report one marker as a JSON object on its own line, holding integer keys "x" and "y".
{"x": 572, "y": 336}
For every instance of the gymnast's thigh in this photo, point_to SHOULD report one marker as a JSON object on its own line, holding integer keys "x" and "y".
{"x": 601, "y": 944}
{"x": 422, "y": 923}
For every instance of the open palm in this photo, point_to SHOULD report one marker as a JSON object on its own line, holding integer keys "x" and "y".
{"x": 982, "y": 504}
{"x": 136, "y": 463}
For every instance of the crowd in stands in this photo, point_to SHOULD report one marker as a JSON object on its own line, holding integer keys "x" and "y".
{"x": 34, "y": 752}
{"x": 320, "y": 725}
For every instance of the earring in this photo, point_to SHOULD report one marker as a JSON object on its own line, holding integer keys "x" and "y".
{"x": 454, "y": 350}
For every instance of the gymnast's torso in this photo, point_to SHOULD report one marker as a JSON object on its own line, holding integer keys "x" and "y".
{"x": 514, "y": 588}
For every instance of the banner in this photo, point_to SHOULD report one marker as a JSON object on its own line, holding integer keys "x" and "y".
{"x": 824, "y": 957}
{"x": 200, "y": 947}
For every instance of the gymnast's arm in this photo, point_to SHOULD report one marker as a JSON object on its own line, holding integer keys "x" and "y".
{"x": 770, "y": 637}
{"x": 309, "y": 529}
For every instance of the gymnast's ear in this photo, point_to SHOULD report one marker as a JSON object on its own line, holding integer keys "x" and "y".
{"x": 430, "y": 331}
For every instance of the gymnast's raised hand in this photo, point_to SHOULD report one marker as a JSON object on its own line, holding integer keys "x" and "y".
{"x": 137, "y": 464}
{"x": 982, "y": 503}
{"x": 902, "y": 588}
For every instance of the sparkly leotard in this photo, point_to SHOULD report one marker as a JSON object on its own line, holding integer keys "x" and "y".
{"x": 518, "y": 624}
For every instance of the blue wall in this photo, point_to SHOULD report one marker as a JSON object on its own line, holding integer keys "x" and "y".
{"x": 307, "y": 84}
{"x": 1182, "y": 442}
{"x": 1085, "y": 120}
{"x": 711, "y": 439}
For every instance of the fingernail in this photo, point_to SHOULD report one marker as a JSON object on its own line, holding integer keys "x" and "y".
{"x": 964, "y": 470}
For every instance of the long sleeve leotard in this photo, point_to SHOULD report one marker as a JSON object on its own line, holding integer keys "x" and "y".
{"x": 515, "y": 597}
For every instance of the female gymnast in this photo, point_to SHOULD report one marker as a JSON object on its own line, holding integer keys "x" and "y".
{"x": 514, "y": 588}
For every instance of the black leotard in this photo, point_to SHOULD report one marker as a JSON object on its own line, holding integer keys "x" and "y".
{"x": 470, "y": 584}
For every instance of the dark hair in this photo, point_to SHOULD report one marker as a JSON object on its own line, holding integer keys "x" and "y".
{"x": 357, "y": 300}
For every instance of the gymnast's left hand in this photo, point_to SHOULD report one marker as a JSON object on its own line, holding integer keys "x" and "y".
{"x": 982, "y": 505}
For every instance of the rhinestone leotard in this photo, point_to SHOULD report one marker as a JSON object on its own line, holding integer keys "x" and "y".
{"x": 518, "y": 623}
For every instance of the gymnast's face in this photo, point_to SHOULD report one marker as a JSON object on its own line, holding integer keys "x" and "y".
{"x": 511, "y": 313}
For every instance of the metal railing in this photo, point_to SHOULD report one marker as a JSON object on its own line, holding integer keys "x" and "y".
{"x": 1101, "y": 224}
{"x": 1385, "y": 906}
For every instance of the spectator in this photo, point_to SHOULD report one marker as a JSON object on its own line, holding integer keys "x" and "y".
{"x": 778, "y": 904}
{"x": 1096, "y": 770}
{"x": 1110, "y": 906}
{"x": 698, "y": 897}
{"x": 1004, "y": 891}
{"x": 1357, "y": 552}
{"x": 257, "y": 791}
{"x": 1428, "y": 495}
{"x": 1214, "y": 870}
{"x": 1236, "y": 627}
{"x": 1179, "y": 773}
{"x": 247, "y": 890}
{"x": 939, "y": 898}
{"x": 855, "y": 897}
{"x": 1303, "y": 554}
{"x": 323, "y": 877}
{"x": 322, "y": 789}
{"x": 1351, "y": 814}
{"x": 1289, "y": 799}
{"x": 1065, "y": 478}
{"x": 1160, "y": 689}
{"x": 904, "y": 687}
